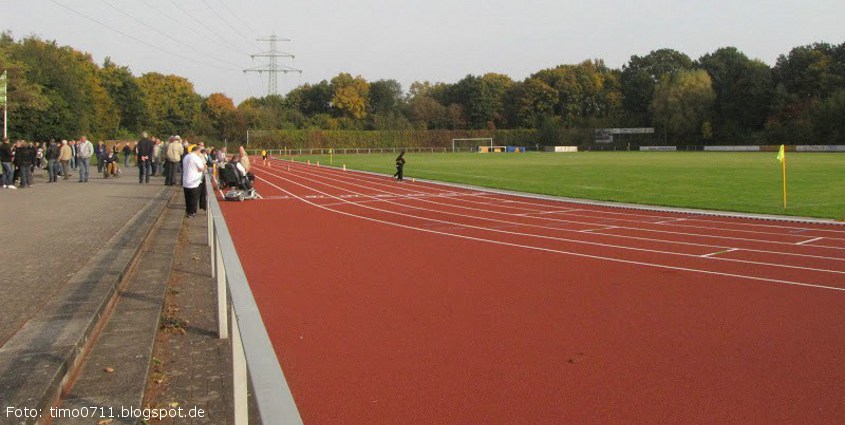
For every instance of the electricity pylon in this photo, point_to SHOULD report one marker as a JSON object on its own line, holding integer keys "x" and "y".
{"x": 273, "y": 68}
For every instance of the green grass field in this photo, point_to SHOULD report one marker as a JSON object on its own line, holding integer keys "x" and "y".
{"x": 744, "y": 182}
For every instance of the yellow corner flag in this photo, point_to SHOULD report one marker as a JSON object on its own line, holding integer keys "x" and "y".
{"x": 782, "y": 158}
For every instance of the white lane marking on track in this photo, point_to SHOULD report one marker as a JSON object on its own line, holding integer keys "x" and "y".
{"x": 674, "y": 220}
{"x": 491, "y": 195}
{"x": 712, "y": 254}
{"x": 577, "y": 241}
{"x": 809, "y": 241}
{"x": 597, "y": 229}
{"x": 577, "y": 254}
{"x": 668, "y": 241}
{"x": 544, "y": 212}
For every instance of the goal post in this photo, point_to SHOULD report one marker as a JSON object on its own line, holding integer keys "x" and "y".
{"x": 471, "y": 144}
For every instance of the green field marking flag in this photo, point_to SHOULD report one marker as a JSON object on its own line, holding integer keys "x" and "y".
{"x": 782, "y": 158}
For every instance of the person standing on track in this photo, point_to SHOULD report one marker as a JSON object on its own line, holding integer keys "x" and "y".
{"x": 400, "y": 165}
{"x": 193, "y": 171}
{"x": 264, "y": 156}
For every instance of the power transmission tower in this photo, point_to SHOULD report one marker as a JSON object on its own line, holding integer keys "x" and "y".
{"x": 273, "y": 68}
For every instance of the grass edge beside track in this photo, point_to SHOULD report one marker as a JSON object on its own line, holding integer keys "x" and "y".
{"x": 741, "y": 183}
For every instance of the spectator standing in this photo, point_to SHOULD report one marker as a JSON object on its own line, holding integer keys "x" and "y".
{"x": 173, "y": 157}
{"x": 84, "y": 151}
{"x": 73, "y": 163}
{"x": 39, "y": 157}
{"x": 53, "y": 152}
{"x": 100, "y": 153}
{"x": 126, "y": 152}
{"x": 156, "y": 159}
{"x": 193, "y": 169}
{"x": 6, "y": 162}
{"x": 144, "y": 158}
{"x": 65, "y": 155}
{"x": 24, "y": 159}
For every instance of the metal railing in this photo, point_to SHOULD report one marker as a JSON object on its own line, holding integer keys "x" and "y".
{"x": 253, "y": 355}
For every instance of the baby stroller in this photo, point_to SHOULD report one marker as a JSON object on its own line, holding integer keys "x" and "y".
{"x": 239, "y": 185}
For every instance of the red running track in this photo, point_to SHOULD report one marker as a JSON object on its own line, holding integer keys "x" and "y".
{"x": 393, "y": 303}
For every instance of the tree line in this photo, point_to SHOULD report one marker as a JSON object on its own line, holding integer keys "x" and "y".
{"x": 723, "y": 97}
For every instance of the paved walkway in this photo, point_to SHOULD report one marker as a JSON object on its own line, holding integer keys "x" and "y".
{"x": 108, "y": 299}
{"x": 50, "y": 231}
{"x": 192, "y": 367}
{"x": 65, "y": 248}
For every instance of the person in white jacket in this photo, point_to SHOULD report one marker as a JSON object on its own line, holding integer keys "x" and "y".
{"x": 84, "y": 152}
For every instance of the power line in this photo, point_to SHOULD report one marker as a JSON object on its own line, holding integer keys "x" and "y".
{"x": 139, "y": 40}
{"x": 225, "y": 41}
{"x": 246, "y": 24}
{"x": 228, "y": 24}
{"x": 153, "y": 28}
{"x": 190, "y": 28}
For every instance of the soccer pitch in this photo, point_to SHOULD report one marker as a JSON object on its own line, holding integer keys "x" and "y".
{"x": 743, "y": 182}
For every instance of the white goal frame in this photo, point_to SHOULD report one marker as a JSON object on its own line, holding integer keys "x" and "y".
{"x": 474, "y": 139}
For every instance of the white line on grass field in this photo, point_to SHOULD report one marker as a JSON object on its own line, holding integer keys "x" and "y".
{"x": 576, "y": 254}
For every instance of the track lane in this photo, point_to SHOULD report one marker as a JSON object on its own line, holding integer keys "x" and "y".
{"x": 712, "y": 222}
{"x": 638, "y": 233}
{"x": 771, "y": 273}
{"x": 828, "y": 266}
{"x": 372, "y": 328}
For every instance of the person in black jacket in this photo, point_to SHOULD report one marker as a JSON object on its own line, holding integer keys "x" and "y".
{"x": 6, "y": 161}
{"x": 24, "y": 159}
{"x": 144, "y": 150}
{"x": 400, "y": 165}
{"x": 53, "y": 165}
{"x": 126, "y": 152}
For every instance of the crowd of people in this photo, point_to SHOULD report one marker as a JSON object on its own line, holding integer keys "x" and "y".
{"x": 178, "y": 160}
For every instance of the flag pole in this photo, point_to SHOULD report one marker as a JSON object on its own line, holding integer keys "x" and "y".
{"x": 783, "y": 167}
{"x": 3, "y": 92}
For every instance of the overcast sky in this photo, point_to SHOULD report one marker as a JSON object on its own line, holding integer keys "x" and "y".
{"x": 209, "y": 41}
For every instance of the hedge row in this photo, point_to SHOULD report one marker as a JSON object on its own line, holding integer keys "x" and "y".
{"x": 308, "y": 139}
